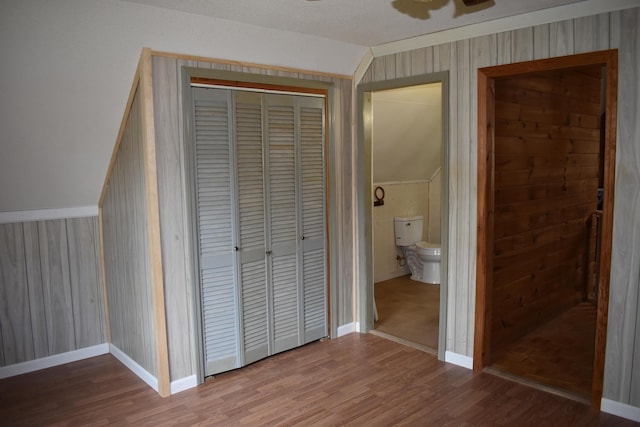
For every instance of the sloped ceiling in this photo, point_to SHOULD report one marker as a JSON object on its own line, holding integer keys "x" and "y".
{"x": 67, "y": 67}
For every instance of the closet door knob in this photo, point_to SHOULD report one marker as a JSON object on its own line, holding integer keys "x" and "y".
{"x": 269, "y": 252}
{"x": 302, "y": 238}
{"x": 235, "y": 248}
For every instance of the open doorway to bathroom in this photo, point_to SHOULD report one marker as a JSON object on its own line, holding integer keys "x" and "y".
{"x": 404, "y": 133}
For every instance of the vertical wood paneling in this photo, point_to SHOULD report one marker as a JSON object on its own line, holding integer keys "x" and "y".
{"x": 36, "y": 292}
{"x": 541, "y": 41}
{"x": 15, "y": 323}
{"x": 522, "y": 43}
{"x": 171, "y": 185}
{"x": 54, "y": 259}
{"x": 504, "y": 51}
{"x": 403, "y": 64}
{"x": 49, "y": 299}
{"x": 622, "y": 370}
{"x": 126, "y": 249}
{"x": 613, "y": 30}
{"x": 344, "y": 216}
{"x": 586, "y": 34}
{"x": 85, "y": 274}
{"x": 455, "y": 123}
{"x": 561, "y": 41}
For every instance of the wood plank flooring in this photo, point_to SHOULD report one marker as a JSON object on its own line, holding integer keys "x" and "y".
{"x": 557, "y": 354}
{"x": 409, "y": 310}
{"x": 357, "y": 380}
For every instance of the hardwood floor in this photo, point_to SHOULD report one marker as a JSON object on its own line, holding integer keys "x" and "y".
{"x": 558, "y": 354}
{"x": 358, "y": 380}
{"x": 409, "y": 310}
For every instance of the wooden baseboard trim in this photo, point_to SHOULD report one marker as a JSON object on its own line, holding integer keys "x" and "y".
{"x": 51, "y": 361}
{"x": 620, "y": 409}
{"x": 134, "y": 367}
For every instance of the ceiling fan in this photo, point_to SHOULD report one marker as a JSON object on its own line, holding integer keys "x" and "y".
{"x": 420, "y": 8}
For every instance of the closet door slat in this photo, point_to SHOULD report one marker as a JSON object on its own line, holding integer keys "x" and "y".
{"x": 214, "y": 221}
{"x": 251, "y": 224}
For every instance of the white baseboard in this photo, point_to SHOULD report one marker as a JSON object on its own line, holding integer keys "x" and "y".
{"x": 346, "y": 329}
{"x": 47, "y": 214}
{"x": 620, "y": 409}
{"x": 134, "y": 367}
{"x": 458, "y": 359}
{"x": 55, "y": 360}
{"x": 358, "y": 327}
{"x": 183, "y": 384}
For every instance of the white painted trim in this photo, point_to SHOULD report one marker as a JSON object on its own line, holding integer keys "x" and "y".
{"x": 55, "y": 360}
{"x": 555, "y": 14}
{"x": 620, "y": 409}
{"x": 183, "y": 384}
{"x": 362, "y": 68}
{"x": 458, "y": 359}
{"x": 47, "y": 214}
{"x": 358, "y": 327}
{"x": 346, "y": 329}
{"x": 134, "y": 367}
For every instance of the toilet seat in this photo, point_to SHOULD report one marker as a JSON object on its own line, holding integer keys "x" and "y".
{"x": 427, "y": 248}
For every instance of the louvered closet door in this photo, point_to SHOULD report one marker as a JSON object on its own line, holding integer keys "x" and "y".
{"x": 214, "y": 210}
{"x": 313, "y": 220}
{"x": 281, "y": 218}
{"x": 251, "y": 224}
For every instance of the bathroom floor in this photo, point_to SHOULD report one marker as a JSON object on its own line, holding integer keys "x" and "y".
{"x": 409, "y": 310}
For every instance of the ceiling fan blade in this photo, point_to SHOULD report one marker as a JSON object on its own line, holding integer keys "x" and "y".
{"x": 474, "y": 2}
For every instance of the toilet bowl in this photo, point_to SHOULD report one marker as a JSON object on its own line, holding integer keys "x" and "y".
{"x": 423, "y": 258}
{"x": 429, "y": 255}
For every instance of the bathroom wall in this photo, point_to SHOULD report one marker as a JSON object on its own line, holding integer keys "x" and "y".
{"x": 406, "y": 157}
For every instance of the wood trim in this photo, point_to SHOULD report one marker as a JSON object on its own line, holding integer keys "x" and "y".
{"x": 103, "y": 274}
{"x": 153, "y": 222}
{"x": 249, "y": 64}
{"x": 606, "y": 238}
{"x": 123, "y": 124}
{"x": 609, "y": 59}
{"x": 482, "y": 348}
{"x": 261, "y": 86}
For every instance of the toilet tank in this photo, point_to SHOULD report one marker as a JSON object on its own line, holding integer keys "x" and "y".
{"x": 408, "y": 230}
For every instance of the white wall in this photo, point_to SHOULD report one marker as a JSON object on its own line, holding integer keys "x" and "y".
{"x": 67, "y": 67}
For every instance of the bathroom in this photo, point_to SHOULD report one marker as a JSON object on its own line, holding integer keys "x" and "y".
{"x": 406, "y": 132}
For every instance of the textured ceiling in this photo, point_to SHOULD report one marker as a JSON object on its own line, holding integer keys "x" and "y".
{"x": 361, "y": 22}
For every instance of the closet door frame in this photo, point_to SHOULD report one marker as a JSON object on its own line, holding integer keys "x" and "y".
{"x": 191, "y": 75}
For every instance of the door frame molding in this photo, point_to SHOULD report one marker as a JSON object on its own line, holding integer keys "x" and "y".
{"x": 364, "y": 199}
{"x": 486, "y": 190}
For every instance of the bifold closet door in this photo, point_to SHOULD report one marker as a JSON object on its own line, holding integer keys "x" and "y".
{"x": 260, "y": 208}
{"x": 311, "y": 172}
{"x": 214, "y": 213}
{"x": 282, "y": 213}
{"x": 256, "y": 325}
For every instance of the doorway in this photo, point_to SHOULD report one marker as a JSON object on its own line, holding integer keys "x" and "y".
{"x": 546, "y": 153}
{"x": 404, "y": 175}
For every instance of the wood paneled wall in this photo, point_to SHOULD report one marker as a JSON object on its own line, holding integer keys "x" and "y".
{"x": 50, "y": 289}
{"x": 126, "y": 248}
{"x": 547, "y": 144}
{"x": 173, "y": 195}
{"x": 615, "y": 30}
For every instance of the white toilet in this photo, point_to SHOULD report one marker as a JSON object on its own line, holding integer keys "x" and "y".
{"x": 423, "y": 258}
